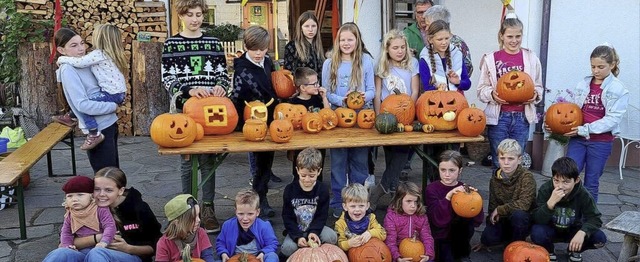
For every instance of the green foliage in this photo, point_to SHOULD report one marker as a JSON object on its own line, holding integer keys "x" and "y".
{"x": 563, "y": 140}
{"x": 224, "y": 32}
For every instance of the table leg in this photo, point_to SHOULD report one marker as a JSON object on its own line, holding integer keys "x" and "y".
{"x": 426, "y": 161}
{"x": 216, "y": 162}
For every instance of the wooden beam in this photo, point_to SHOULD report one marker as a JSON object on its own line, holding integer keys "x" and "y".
{"x": 154, "y": 14}
{"x": 32, "y": 11}
{"x": 148, "y": 4}
{"x": 40, "y": 2}
{"x": 156, "y": 34}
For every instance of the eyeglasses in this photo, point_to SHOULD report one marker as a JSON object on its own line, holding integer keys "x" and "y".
{"x": 316, "y": 84}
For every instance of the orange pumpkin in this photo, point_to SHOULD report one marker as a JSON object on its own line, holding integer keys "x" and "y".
{"x": 283, "y": 83}
{"x": 322, "y": 253}
{"x": 254, "y": 130}
{"x": 467, "y": 204}
{"x": 524, "y": 251}
{"x": 257, "y": 109}
{"x": 366, "y": 118}
{"x": 561, "y": 117}
{"x": 312, "y": 123}
{"x": 412, "y": 248}
{"x": 281, "y": 130}
{"x": 244, "y": 257}
{"x": 355, "y": 100}
{"x": 373, "y": 251}
{"x": 346, "y": 117}
{"x": 291, "y": 112}
{"x": 299, "y": 112}
{"x": 217, "y": 115}
{"x": 471, "y": 121}
{"x": 515, "y": 87}
{"x": 329, "y": 118}
{"x": 401, "y": 105}
{"x": 408, "y": 128}
{"x": 173, "y": 129}
{"x": 440, "y": 108}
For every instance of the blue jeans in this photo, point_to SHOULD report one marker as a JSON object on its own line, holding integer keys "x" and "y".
{"x": 100, "y": 96}
{"x": 64, "y": 254}
{"x": 352, "y": 162}
{"x": 597, "y": 153}
{"x": 105, "y": 154}
{"x": 90, "y": 254}
{"x": 512, "y": 125}
{"x": 205, "y": 162}
{"x": 545, "y": 236}
{"x": 512, "y": 228}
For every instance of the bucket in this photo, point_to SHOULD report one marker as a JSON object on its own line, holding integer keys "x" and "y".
{"x": 3, "y": 144}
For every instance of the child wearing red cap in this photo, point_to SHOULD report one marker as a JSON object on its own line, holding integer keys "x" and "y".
{"x": 83, "y": 216}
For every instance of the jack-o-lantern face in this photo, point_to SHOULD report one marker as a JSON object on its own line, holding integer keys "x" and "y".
{"x": 291, "y": 112}
{"x": 281, "y": 130}
{"x": 329, "y": 118}
{"x": 217, "y": 115}
{"x": 355, "y": 100}
{"x": 471, "y": 121}
{"x": 299, "y": 112}
{"x": 366, "y": 118}
{"x": 254, "y": 130}
{"x": 311, "y": 123}
{"x": 346, "y": 117}
{"x": 257, "y": 109}
{"x": 173, "y": 129}
{"x": 434, "y": 106}
{"x": 561, "y": 117}
{"x": 515, "y": 87}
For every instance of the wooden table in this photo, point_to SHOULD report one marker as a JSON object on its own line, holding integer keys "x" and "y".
{"x": 335, "y": 138}
{"x": 627, "y": 223}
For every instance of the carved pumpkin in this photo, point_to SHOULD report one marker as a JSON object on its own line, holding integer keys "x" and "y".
{"x": 257, "y": 109}
{"x": 471, "y": 121}
{"x": 312, "y": 123}
{"x": 524, "y": 251}
{"x": 173, "y": 129}
{"x": 355, "y": 100}
{"x": 440, "y": 108}
{"x": 401, "y": 105}
{"x": 314, "y": 253}
{"x": 346, "y": 117}
{"x": 254, "y": 130}
{"x": 281, "y": 130}
{"x": 244, "y": 257}
{"x": 373, "y": 251}
{"x": 283, "y": 83}
{"x": 366, "y": 118}
{"x": 515, "y": 87}
{"x": 412, "y": 248}
{"x": 217, "y": 115}
{"x": 329, "y": 118}
{"x": 386, "y": 123}
{"x": 291, "y": 112}
{"x": 561, "y": 117}
{"x": 467, "y": 204}
{"x": 299, "y": 112}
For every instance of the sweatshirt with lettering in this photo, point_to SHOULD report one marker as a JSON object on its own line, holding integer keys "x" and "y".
{"x": 304, "y": 212}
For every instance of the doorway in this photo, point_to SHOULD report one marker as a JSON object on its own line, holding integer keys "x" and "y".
{"x": 260, "y": 14}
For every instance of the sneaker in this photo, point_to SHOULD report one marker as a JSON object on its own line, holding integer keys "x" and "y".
{"x": 209, "y": 220}
{"x": 265, "y": 209}
{"x": 337, "y": 212}
{"x": 553, "y": 257}
{"x": 65, "y": 119}
{"x": 575, "y": 257}
{"x": 92, "y": 141}
{"x": 275, "y": 178}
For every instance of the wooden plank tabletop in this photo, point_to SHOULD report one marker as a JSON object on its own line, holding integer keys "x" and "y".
{"x": 627, "y": 223}
{"x": 23, "y": 158}
{"x": 335, "y": 138}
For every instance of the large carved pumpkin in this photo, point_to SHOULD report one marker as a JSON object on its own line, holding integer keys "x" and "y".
{"x": 257, "y": 109}
{"x": 291, "y": 112}
{"x": 217, "y": 115}
{"x": 467, "y": 204}
{"x": 373, "y": 251}
{"x": 173, "y": 129}
{"x": 244, "y": 257}
{"x": 329, "y": 118}
{"x": 366, "y": 118}
{"x": 401, "y": 105}
{"x": 283, "y": 83}
{"x": 386, "y": 123}
{"x": 519, "y": 251}
{"x": 471, "y": 121}
{"x": 254, "y": 130}
{"x": 355, "y": 100}
{"x": 346, "y": 117}
{"x": 312, "y": 122}
{"x": 411, "y": 248}
{"x": 281, "y": 130}
{"x": 315, "y": 253}
{"x": 561, "y": 117}
{"x": 440, "y": 108}
{"x": 515, "y": 87}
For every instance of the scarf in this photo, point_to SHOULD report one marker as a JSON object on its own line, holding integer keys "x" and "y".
{"x": 357, "y": 227}
{"x": 87, "y": 217}
{"x": 190, "y": 241}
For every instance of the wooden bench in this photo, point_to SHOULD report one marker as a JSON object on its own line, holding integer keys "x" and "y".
{"x": 23, "y": 158}
{"x": 627, "y": 223}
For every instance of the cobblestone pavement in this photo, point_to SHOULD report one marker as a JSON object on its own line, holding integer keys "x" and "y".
{"x": 158, "y": 178}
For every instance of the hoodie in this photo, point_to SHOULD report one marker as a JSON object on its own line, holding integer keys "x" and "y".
{"x": 252, "y": 82}
{"x": 138, "y": 225}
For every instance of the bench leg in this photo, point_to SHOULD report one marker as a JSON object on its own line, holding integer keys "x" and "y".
{"x": 49, "y": 164}
{"x": 629, "y": 248}
{"x": 21, "y": 215}
{"x": 73, "y": 153}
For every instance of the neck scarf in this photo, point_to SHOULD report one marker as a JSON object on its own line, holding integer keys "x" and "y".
{"x": 357, "y": 227}
{"x": 87, "y": 217}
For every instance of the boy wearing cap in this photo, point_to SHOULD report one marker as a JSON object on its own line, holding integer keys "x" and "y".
{"x": 246, "y": 233}
{"x": 83, "y": 217}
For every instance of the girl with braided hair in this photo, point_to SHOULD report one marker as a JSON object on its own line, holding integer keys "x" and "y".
{"x": 441, "y": 65}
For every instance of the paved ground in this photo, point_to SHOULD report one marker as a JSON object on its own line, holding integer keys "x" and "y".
{"x": 157, "y": 177}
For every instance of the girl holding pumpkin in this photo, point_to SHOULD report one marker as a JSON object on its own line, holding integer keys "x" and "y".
{"x": 504, "y": 119}
{"x": 397, "y": 71}
{"x": 451, "y": 232}
{"x": 347, "y": 70}
{"x": 305, "y": 50}
{"x": 406, "y": 218}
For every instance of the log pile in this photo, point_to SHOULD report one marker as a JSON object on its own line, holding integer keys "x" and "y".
{"x": 132, "y": 17}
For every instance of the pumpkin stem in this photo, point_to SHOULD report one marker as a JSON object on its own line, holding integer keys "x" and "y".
{"x": 244, "y": 257}
{"x": 280, "y": 116}
{"x": 414, "y": 237}
{"x": 270, "y": 102}
{"x": 186, "y": 253}
{"x": 466, "y": 188}
{"x": 313, "y": 244}
{"x": 172, "y": 103}
{"x": 396, "y": 91}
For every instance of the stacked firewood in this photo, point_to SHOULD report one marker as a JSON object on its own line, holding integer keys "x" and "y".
{"x": 147, "y": 19}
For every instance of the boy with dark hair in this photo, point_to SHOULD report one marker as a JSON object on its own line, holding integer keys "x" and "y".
{"x": 566, "y": 212}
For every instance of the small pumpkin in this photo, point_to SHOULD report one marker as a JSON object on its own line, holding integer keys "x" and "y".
{"x": 174, "y": 129}
{"x": 329, "y": 118}
{"x": 386, "y": 123}
{"x": 428, "y": 128}
{"x": 408, "y": 128}
{"x": 524, "y": 251}
{"x": 355, "y": 100}
{"x": 471, "y": 121}
{"x": 283, "y": 83}
{"x": 281, "y": 130}
{"x": 440, "y": 108}
{"x": 217, "y": 115}
{"x": 412, "y": 248}
{"x": 346, "y": 117}
{"x": 373, "y": 251}
{"x": 401, "y": 105}
{"x": 467, "y": 204}
{"x": 515, "y": 87}
{"x": 417, "y": 126}
{"x": 254, "y": 130}
{"x": 312, "y": 123}
{"x": 561, "y": 117}
{"x": 257, "y": 109}
{"x": 366, "y": 118}
{"x": 319, "y": 253}
{"x": 400, "y": 127}
{"x": 243, "y": 257}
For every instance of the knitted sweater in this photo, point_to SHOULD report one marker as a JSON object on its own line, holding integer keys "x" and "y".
{"x": 518, "y": 192}
{"x": 292, "y": 61}
{"x": 252, "y": 82}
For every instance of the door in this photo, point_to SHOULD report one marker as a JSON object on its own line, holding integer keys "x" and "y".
{"x": 259, "y": 13}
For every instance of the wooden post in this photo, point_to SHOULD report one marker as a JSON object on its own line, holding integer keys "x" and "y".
{"x": 629, "y": 249}
{"x": 38, "y": 92}
{"x": 148, "y": 94}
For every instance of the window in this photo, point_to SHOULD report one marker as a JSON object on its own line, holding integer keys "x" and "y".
{"x": 210, "y": 17}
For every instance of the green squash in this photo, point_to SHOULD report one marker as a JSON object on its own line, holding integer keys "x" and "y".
{"x": 386, "y": 123}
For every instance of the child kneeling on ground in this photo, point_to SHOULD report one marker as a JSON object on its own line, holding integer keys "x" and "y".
{"x": 356, "y": 226}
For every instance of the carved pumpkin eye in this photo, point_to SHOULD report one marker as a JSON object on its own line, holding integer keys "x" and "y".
{"x": 173, "y": 124}
{"x": 452, "y": 102}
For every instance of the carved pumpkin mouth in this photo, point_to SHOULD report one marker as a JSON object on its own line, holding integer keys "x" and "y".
{"x": 348, "y": 120}
{"x": 260, "y": 115}
{"x": 216, "y": 118}
{"x": 179, "y": 134}
{"x": 567, "y": 123}
{"x": 515, "y": 85}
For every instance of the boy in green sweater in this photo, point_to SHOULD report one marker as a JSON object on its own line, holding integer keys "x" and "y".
{"x": 566, "y": 212}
